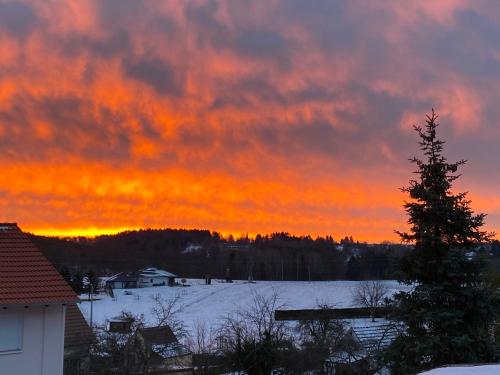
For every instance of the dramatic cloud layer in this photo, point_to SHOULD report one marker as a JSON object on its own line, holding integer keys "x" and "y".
{"x": 239, "y": 116}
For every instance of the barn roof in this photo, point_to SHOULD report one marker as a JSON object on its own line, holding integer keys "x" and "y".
{"x": 158, "y": 335}
{"x": 26, "y": 275}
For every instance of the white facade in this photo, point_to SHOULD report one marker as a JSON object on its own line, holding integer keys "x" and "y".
{"x": 40, "y": 347}
{"x": 118, "y": 285}
{"x": 145, "y": 281}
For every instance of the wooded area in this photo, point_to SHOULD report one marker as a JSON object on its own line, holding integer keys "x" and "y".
{"x": 193, "y": 253}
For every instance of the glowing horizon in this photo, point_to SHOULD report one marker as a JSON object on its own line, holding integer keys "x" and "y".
{"x": 95, "y": 232}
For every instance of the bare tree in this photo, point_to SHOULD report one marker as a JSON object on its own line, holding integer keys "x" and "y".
{"x": 202, "y": 343}
{"x": 320, "y": 338}
{"x": 166, "y": 311}
{"x": 251, "y": 339}
{"x": 323, "y": 332}
{"x": 202, "y": 339}
{"x": 370, "y": 294}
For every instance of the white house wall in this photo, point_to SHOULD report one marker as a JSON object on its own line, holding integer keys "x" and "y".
{"x": 118, "y": 285}
{"x": 146, "y": 281}
{"x": 43, "y": 342}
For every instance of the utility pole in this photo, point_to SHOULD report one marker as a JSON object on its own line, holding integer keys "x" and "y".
{"x": 91, "y": 291}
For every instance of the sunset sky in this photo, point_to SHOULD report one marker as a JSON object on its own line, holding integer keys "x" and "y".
{"x": 240, "y": 116}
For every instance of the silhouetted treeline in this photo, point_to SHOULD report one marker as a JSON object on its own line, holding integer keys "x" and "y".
{"x": 193, "y": 253}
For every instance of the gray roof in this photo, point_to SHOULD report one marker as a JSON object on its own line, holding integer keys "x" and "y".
{"x": 124, "y": 277}
{"x": 158, "y": 335}
{"x": 134, "y": 275}
{"x": 375, "y": 337}
{"x": 163, "y": 342}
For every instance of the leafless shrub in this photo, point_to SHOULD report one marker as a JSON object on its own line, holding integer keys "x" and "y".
{"x": 322, "y": 332}
{"x": 251, "y": 339}
{"x": 202, "y": 339}
{"x": 370, "y": 294}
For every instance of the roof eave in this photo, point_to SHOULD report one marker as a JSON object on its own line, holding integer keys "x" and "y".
{"x": 39, "y": 303}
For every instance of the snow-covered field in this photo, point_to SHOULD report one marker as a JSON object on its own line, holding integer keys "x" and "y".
{"x": 465, "y": 370}
{"x": 211, "y": 303}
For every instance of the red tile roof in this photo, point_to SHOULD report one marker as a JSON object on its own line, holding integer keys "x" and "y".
{"x": 26, "y": 275}
{"x": 77, "y": 332}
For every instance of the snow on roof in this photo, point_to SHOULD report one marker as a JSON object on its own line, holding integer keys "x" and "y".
{"x": 465, "y": 370}
{"x": 145, "y": 272}
{"x": 375, "y": 336}
{"x": 170, "y": 350}
{"x": 191, "y": 248}
{"x": 155, "y": 272}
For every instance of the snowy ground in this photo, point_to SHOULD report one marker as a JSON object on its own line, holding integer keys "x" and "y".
{"x": 465, "y": 370}
{"x": 211, "y": 303}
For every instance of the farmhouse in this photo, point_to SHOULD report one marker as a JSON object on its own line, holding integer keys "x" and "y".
{"x": 140, "y": 279}
{"x": 33, "y": 301}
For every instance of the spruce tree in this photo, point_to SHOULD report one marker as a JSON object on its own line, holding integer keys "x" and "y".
{"x": 447, "y": 315}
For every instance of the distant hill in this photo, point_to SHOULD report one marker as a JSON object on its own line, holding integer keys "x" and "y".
{"x": 192, "y": 253}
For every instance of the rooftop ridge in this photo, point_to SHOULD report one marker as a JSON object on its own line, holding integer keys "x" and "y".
{"x": 7, "y": 226}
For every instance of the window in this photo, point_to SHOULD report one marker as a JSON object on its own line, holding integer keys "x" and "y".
{"x": 11, "y": 326}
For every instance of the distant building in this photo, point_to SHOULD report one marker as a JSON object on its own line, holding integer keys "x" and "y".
{"x": 365, "y": 341}
{"x": 143, "y": 278}
{"x": 123, "y": 280}
{"x": 163, "y": 351}
{"x": 155, "y": 277}
{"x": 154, "y": 349}
{"x": 33, "y": 302}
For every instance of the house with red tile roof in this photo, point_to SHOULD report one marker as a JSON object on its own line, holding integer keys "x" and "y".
{"x": 33, "y": 301}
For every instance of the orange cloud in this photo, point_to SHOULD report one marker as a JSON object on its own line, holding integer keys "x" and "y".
{"x": 235, "y": 116}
